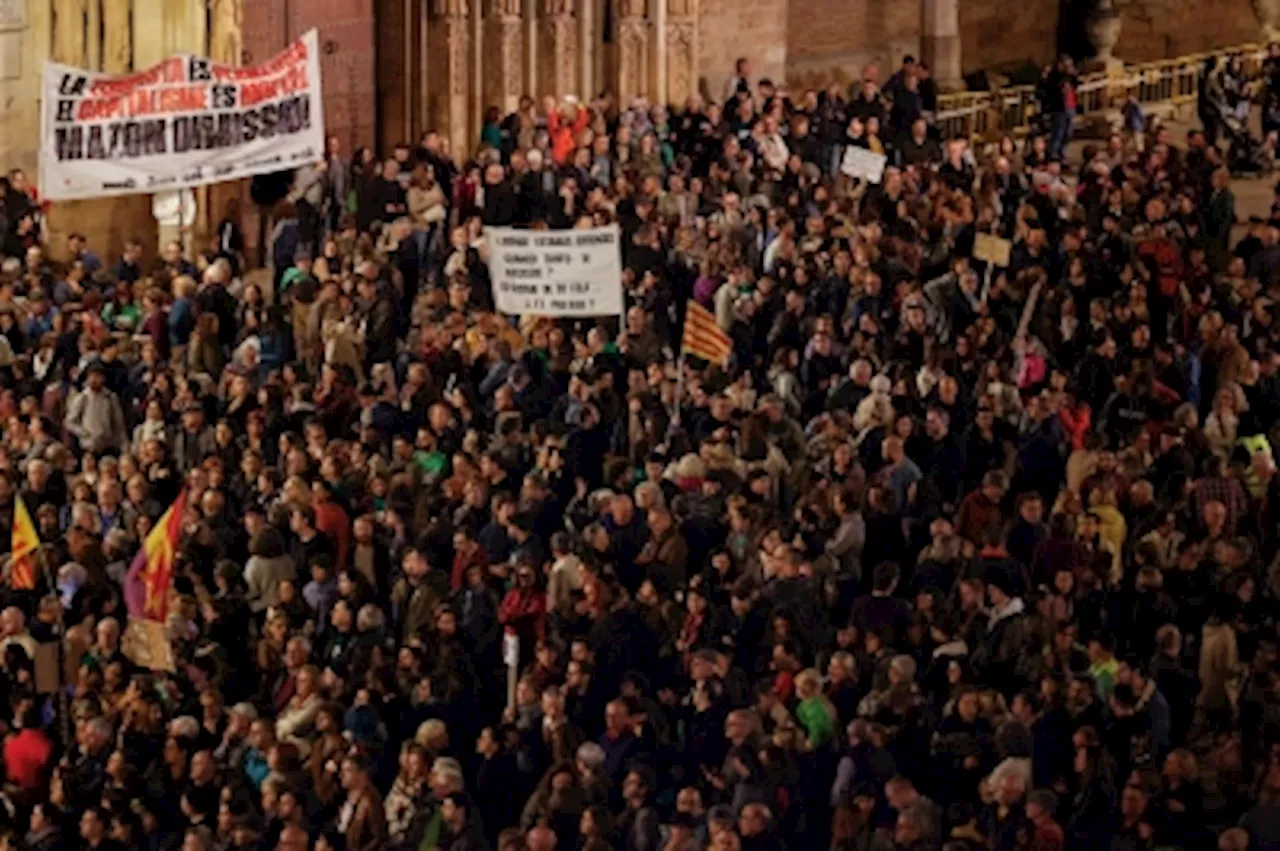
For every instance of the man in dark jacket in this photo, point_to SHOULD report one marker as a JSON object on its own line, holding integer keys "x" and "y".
{"x": 500, "y": 199}
{"x": 379, "y": 315}
{"x": 1002, "y": 657}
{"x": 383, "y": 198}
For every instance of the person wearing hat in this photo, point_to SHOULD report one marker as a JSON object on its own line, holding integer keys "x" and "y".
{"x": 194, "y": 439}
{"x": 1010, "y": 639}
{"x": 234, "y": 747}
{"x": 94, "y": 415}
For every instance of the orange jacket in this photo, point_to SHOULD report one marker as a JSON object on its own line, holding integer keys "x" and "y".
{"x": 564, "y": 137}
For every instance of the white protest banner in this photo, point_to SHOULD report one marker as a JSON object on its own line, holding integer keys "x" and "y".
{"x": 863, "y": 164}
{"x": 575, "y": 273}
{"x": 185, "y": 122}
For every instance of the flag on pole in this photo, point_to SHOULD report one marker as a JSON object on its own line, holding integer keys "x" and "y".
{"x": 704, "y": 337}
{"x": 146, "y": 587}
{"x": 25, "y": 543}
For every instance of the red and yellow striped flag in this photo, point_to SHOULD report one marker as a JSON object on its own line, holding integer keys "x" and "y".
{"x": 704, "y": 337}
{"x": 25, "y": 542}
{"x": 150, "y": 576}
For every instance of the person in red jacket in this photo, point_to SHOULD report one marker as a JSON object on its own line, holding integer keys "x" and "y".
{"x": 332, "y": 520}
{"x": 524, "y": 611}
{"x": 565, "y": 123}
{"x": 26, "y": 753}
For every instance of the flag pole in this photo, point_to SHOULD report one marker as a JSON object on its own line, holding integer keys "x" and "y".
{"x": 675, "y": 413}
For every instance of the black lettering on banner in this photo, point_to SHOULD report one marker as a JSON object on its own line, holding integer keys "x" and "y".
{"x": 66, "y": 110}
{"x": 182, "y": 134}
{"x": 154, "y": 140}
{"x": 270, "y": 114}
{"x": 224, "y": 97}
{"x": 69, "y": 143}
{"x": 118, "y": 140}
{"x": 198, "y": 70}
{"x": 95, "y": 148}
{"x": 132, "y": 139}
{"x": 72, "y": 85}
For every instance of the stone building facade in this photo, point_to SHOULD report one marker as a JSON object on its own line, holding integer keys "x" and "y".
{"x": 393, "y": 69}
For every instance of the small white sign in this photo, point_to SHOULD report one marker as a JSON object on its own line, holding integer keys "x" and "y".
{"x": 862, "y": 164}
{"x": 510, "y": 649}
{"x": 575, "y": 273}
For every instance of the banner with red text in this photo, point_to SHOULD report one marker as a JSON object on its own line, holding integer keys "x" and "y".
{"x": 185, "y": 122}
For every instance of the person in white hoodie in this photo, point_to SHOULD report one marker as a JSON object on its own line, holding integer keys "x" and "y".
{"x": 566, "y": 574}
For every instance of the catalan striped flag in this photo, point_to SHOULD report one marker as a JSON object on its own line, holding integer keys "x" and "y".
{"x": 704, "y": 337}
{"x": 151, "y": 575}
{"x": 25, "y": 543}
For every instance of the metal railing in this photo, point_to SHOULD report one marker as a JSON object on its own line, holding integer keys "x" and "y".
{"x": 1013, "y": 110}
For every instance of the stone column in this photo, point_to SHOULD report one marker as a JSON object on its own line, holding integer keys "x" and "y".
{"x": 633, "y": 51}
{"x": 69, "y": 32}
{"x": 450, "y": 38}
{"x": 226, "y": 45}
{"x": 940, "y": 42}
{"x": 504, "y": 55}
{"x": 681, "y": 50}
{"x": 587, "y": 41}
{"x": 558, "y": 55}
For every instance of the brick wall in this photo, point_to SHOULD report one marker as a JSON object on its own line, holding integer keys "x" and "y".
{"x": 728, "y": 29}
{"x": 837, "y": 38}
{"x": 347, "y": 65}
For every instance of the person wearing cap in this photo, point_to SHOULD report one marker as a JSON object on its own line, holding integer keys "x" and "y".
{"x": 234, "y": 747}
{"x": 1010, "y": 634}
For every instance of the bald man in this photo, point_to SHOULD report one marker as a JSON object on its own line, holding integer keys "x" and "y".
{"x": 541, "y": 839}
{"x": 13, "y": 626}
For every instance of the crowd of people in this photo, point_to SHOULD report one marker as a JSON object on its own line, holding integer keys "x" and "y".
{"x": 945, "y": 556}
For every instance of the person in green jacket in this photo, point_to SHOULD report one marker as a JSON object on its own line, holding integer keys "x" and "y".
{"x": 816, "y": 714}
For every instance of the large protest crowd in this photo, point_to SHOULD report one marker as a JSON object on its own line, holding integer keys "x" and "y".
{"x": 946, "y": 555}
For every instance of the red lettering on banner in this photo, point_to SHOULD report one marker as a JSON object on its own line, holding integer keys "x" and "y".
{"x": 169, "y": 71}
{"x": 294, "y": 54}
{"x": 254, "y": 93}
{"x": 145, "y": 101}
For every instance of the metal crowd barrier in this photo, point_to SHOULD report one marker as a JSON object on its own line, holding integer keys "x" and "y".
{"x": 1013, "y": 110}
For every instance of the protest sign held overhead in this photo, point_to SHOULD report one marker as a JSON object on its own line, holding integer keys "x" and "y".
{"x": 862, "y": 164}
{"x": 992, "y": 250}
{"x": 187, "y": 121}
{"x": 573, "y": 273}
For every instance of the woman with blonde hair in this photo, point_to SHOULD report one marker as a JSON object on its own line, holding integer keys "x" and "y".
{"x": 1222, "y": 426}
{"x": 432, "y": 735}
{"x": 815, "y": 712}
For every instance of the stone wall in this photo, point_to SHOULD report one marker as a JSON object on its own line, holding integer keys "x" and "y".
{"x": 837, "y": 38}
{"x": 1197, "y": 25}
{"x": 728, "y": 29}
{"x": 1000, "y": 35}
{"x": 834, "y": 39}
